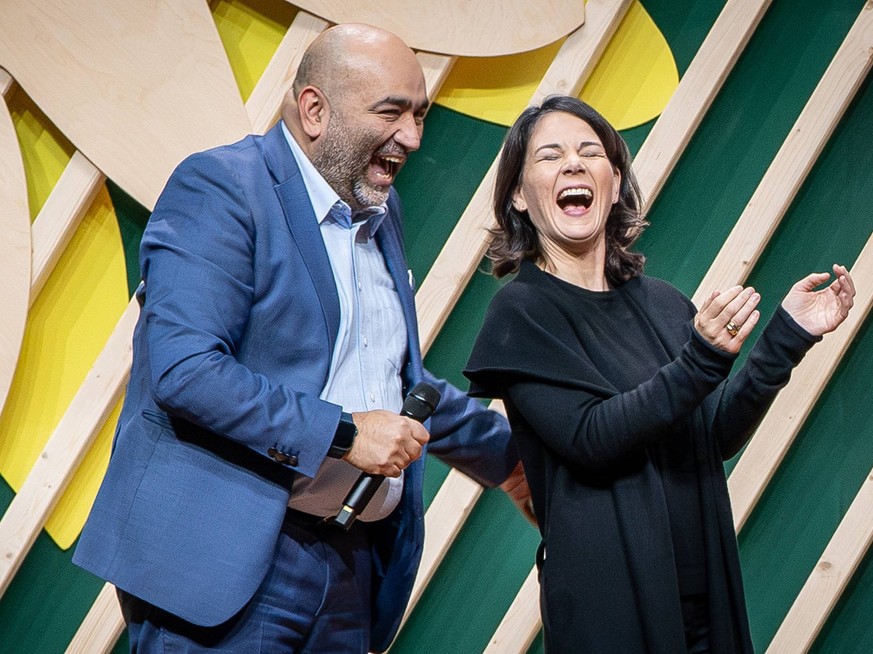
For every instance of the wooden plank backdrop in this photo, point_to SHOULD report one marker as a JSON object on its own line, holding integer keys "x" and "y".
{"x": 451, "y": 272}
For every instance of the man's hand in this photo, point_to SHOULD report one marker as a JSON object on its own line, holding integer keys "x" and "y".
{"x": 519, "y": 492}
{"x": 386, "y": 442}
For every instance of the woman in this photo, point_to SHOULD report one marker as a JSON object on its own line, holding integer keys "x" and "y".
{"x": 616, "y": 388}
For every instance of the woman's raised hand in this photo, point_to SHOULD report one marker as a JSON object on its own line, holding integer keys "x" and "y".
{"x": 728, "y": 317}
{"x": 820, "y": 312}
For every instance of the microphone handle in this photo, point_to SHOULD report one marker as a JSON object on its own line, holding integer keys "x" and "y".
{"x": 367, "y": 485}
{"x": 360, "y": 495}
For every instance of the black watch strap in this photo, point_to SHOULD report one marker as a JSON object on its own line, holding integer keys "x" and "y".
{"x": 343, "y": 437}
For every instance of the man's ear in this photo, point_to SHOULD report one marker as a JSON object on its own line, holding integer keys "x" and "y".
{"x": 313, "y": 110}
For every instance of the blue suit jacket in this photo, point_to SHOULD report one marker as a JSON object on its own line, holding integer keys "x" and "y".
{"x": 232, "y": 349}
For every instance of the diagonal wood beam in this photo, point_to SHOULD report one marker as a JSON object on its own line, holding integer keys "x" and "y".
{"x": 829, "y": 578}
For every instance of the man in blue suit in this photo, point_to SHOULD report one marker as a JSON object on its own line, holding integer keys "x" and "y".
{"x": 276, "y": 342}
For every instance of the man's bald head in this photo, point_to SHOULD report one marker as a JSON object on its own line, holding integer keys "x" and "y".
{"x": 343, "y": 54}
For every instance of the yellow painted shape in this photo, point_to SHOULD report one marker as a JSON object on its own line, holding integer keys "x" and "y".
{"x": 251, "y": 31}
{"x": 496, "y": 89}
{"x": 631, "y": 84}
{"x": 44, "y": 150}
{"x": 67, "y": 328}
{"x": 636, "y": 74}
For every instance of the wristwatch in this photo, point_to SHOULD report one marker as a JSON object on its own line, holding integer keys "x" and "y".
{"x": 343, "y": 437}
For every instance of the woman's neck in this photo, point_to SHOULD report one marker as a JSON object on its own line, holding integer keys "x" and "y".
{"x": 584, "y": 269}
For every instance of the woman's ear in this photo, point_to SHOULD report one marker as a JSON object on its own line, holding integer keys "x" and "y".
{"x": 518, "y": 202}
{"x": 616, "y": 185}
{"x": 313, "y": 110}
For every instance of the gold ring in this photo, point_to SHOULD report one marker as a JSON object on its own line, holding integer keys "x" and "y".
{"x": 732, "y": 328}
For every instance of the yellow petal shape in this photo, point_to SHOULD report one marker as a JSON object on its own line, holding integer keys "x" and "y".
{"x": 636, "y": 74}
{"x": 250, "y": 36}
{"x": 630, "y": 85}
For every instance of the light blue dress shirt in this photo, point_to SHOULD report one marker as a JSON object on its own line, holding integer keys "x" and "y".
{"x": 365, "y": 371}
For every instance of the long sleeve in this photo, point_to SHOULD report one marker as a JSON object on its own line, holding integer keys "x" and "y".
{"x": 593, "y": 431}
{"x": 746, "y": 396}
{"x": 469, "y": 437}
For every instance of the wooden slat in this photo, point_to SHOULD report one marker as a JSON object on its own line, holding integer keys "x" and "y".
{"x": 60, "y": 216}
{"x": 796, "y": 157}
{"x": 66, "y": 447}
{"x": 446, "y": 515}
{"x": 101, "y": 628}
{"x": 465, "y": 247}
{"x": 265, "y": 102}
{"x": 783, "y": 421}
{"x": 521, "y": 624}
{"x": 436, "y": 68}
{"x": 829, "y": 578}
{"x": 5, "y": 82}
{"x": 701, "y": 82}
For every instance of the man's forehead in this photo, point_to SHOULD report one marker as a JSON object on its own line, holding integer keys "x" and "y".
{"x": 389, "y": 85}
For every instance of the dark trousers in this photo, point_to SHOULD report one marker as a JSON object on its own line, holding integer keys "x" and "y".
{"x": 314, "y": 599}
{"x": 695, "y": 615}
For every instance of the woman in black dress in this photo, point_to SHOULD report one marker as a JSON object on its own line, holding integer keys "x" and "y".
{"x": 617, "y": 390}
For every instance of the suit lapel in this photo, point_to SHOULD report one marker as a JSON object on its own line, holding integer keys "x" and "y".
{"x": 303, "y": 225}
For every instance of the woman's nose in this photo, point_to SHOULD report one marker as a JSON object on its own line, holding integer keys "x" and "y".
{"x": 574, "y": 164}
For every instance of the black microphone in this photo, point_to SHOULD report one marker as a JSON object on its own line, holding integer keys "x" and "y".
{"x": 418, "y": 405}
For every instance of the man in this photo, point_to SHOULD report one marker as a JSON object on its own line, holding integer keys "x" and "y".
{"x": 276, "y": 343}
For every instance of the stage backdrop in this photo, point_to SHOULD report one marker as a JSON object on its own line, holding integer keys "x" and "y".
{"x": 751, "y": 121}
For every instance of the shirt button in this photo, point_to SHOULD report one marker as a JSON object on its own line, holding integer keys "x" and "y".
{"x": 366, "y": 341}
{"x": 372, "y": 397}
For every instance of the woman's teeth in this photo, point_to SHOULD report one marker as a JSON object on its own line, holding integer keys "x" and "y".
{"x": 577, "y": 196}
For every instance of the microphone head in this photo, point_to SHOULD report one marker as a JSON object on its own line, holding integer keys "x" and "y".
{"x": 421, "y": 401}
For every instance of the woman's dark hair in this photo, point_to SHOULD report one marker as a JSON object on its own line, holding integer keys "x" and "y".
{"x": 515, "y": 237}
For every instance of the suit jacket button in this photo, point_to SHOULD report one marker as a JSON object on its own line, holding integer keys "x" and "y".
{"x": 272, "y": 452}
{"x": 292, "y": 460}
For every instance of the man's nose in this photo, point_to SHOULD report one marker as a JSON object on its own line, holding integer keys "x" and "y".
{"x": 409, "y": 133}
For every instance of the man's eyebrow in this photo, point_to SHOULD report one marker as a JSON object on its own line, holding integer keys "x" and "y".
{"x": 402, "y": 102}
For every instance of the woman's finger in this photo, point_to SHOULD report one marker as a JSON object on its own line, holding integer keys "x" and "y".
{"x": 733, "y": 307}
{"x": 743, "y": 313}
{"x": 809, "y": 282}
{"x": 716, "y": 307}
{"x": 747, "y": 327}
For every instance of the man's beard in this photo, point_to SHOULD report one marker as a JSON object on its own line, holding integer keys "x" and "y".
{"x": 343, "y": 160}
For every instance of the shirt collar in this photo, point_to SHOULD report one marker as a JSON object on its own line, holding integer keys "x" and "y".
{"x": 323, "y": 197}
